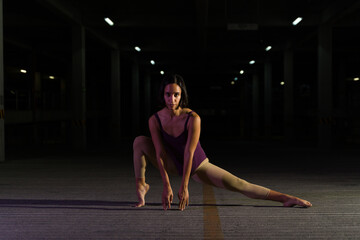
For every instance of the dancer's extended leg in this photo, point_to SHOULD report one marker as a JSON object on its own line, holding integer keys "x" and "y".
{"x": 210, "y": 174}
{"x": 218, "y": 177}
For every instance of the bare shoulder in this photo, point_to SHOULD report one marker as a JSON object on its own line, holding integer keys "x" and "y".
{"x": 192, "y": 113}
{"x": 152, "y": 117}
{"x": 153, "y": 122}
{"x": 195, "y": 119}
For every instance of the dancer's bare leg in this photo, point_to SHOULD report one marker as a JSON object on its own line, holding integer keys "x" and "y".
{"x": 210, "y": 174}
{"x": 287, "y": 200}
{"x": 141, "y": 189}
{"x": 144, "y": 151}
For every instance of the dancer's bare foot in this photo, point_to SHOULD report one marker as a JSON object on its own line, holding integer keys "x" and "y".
{"x": 292, "y": 201}
{"x": 141, "y": 190}
{"x": 287, "y": 200}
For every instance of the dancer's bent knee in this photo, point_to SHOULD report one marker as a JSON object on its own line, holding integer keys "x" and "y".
{"x": 140, "y": 150}
{"x": 140, "y": 141}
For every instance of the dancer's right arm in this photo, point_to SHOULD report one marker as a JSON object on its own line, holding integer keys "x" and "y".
{"x": 167, "y": 196}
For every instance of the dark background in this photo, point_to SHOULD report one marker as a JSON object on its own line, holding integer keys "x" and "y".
{"x": 195, "y": 39}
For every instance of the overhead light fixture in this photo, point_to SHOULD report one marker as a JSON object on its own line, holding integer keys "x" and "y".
{"x": 252, "y": 62}
{"x": 268, "y": 48}
{"x": 296, "y": 21}
{"x": 23, "y": 71}
{"x": 242, "y": 71}
{"x": 152, "y": 62}
{"x": 282, "y": 83}
{"x": 356, "y": 79}
{"x": 137, "y": 49}
{"x": 235, "y": 78}
{"x": 51, "y": 77}
{"x": 108, "y": 20}
{"x": 232, "y": 82}
{"x": 162, "y": 72}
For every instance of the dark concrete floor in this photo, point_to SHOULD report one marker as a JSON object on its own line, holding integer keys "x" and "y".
{"x": 64, "y": 195}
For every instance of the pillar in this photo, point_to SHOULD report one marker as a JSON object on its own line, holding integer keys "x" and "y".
{"x": 135, "y": 95}
{"x": 37, "y": 100}
{"x": 115, "y": 94}
{"x": 244, "y": 96}
{"x": 325, "y": 103}
{"x": 147, "y": 96}
{"x": 268, "y": 98}
{"x": 255, "y": 106}
{"x": 78, "y": 88}
{"x": 288, "y": 95}
{"x": 2, "y": 113}
{"x": 341, "y": 121}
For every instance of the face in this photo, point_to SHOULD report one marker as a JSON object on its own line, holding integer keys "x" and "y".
{"x": 172, "y": 96}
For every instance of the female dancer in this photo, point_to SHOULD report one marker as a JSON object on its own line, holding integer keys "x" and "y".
{"x": 174, "y": 148}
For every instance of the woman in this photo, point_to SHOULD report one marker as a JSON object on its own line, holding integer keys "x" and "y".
{"x": 174, "y": 148}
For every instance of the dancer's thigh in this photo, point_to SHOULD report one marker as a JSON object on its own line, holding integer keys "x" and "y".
{"x": 149, "y": 151}
{"x": 211, "y": 174}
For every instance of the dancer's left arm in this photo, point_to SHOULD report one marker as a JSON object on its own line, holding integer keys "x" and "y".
{"x": 192, "y": 141}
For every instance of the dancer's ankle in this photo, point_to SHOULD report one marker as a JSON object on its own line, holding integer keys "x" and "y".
{"x": 140, "y": 182}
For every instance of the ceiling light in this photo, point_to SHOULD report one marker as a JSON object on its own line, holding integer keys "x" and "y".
{"x": 22, "y": 70}
{"x": 137, "y": 49}
{"x": 235, "y": 78}
{"x": 108, "y": 20}
{"x": 252, "y": 62}
{"x": 232, "y": 82}
{"x": 268, "y": 48}
{"x": 242, "y": 72}
{"x": 51, "y": 77}
{"x": 162, "y": 72}
{"x": 296, "y": 21}
{"x": 152, "y": 62}
{"x": 356, "y": 79}
{"x": 282, "y": 83}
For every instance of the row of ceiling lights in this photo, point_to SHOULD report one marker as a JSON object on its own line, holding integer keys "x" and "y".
{"x": 162, "y": 73}
{"x": 25, "y": 71}
{"x": 138, "y": 49}
{"x": 152, "y": 62}
{"x": 268, "y": 48}
{"x": 251, "y": 62}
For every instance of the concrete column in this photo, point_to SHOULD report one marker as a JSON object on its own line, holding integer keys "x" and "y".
{"x": 268, "y": 98}
{"x": 341, "y": 86}
{"x": 64, "y": 128}
{"x": 115, "y": 94}
{"x": 255, "y": 106}
{"x": 2, "y": 113}
{"x": 135, "y": 95}
{"x": 63, "y": 93}
{"x": 78, "y": 88}
{"x": 288, "y": 95}
{"x": 325, "y": 103}
{"x": 37, "y": 110}
{"x": 37, "y": 90}
{"x": 244, "y": 93}
{"x": 341, "y": 109}
{"x": 147, "y": 96}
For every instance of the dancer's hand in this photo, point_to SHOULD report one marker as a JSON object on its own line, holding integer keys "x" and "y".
{"x": 167, "y": 197}
{"x": 183, "y": 196}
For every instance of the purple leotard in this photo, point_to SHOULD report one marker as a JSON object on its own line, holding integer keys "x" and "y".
{"x": 175, "y": 147}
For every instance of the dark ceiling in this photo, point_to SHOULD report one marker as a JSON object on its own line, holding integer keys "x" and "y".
{"x": 213, "y": 36}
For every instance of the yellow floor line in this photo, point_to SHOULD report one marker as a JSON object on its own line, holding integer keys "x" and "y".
{"x": 212, "y": 224}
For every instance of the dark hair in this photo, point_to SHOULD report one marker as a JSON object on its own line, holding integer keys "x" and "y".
{"x": 174, "y": 78}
